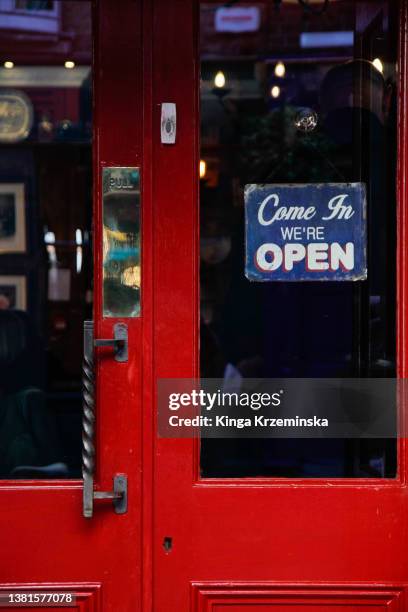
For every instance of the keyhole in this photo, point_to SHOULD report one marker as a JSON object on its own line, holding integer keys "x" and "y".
{"x": 168, "y": 544}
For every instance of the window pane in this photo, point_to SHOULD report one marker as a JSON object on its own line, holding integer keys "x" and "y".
{"x": 45, "y": 234}
{"x": 297, "y": 92}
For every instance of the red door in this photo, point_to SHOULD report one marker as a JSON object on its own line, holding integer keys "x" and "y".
{"x": 287, "y": 524}
{"x": 195, "y": 525}
{"x": 59, "y": 549}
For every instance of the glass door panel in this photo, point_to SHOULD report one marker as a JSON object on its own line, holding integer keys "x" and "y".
{"x": 45, "y": 233}
{"x": 297, "y": 92}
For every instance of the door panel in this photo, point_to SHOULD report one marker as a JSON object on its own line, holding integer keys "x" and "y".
{"x": 49, "y": 543}
{"x": 87, "y": 596}
{"x": 328, "y": 533}
{"x": 266, "y": 597}
{"x": 252, "y": 132}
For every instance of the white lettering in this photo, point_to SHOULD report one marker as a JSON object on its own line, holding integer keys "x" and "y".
{"x": 339, "y": 211}
{"x": 317, "y": 256}
{"x": 269, "y": 249}
{"x": 291, "y": 233}
{"x": 283, "y": 213}
{"x": 293, "y": 254}
{"x": 261, "y": 218}
{"x": 342, "y": 257}
{"x": 315, "y": 233}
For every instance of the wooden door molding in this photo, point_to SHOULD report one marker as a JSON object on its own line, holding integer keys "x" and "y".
{"x": 227, "y": 597}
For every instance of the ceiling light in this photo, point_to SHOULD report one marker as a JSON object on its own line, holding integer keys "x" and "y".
{"x": 49, "y": 237}
{"x": 377, "y": 63}
{"x": 275, "y": 91}
{"x": 8, "y": 64}
{"x": 219, "y": 80}
{"x": 69, "y": 64}
{"x": 280, "y": 69}
{"x": 203, "y": 168}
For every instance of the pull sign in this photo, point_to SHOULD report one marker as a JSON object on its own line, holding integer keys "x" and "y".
{"x": 168, "y": 123}
{"x": 121, "y": 243}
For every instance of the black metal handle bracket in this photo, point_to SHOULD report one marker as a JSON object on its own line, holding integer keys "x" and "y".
{"x": 119, "y": 342}
{"x": 118, "y": 495}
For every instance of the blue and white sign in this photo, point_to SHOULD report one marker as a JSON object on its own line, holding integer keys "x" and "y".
{"x": 306, "y": 232}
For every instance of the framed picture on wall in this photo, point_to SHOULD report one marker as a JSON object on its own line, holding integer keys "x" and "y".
{"x": 12, "y": 218}
{"x": 13, "y": 292}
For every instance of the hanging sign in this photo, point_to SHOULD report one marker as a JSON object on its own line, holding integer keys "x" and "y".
{"x": 306, "y": 232}
{"x": 237, "y": 19}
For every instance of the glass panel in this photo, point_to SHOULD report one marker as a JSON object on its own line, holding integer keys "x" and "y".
{"x": 121, "y": 242}
{"x": 297, "y": 92}
{"x": 45, "y": 233}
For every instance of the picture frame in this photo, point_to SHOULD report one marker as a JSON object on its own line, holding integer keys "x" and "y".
{"x": 13, "y": 292}
{"x": 13, "y": 238}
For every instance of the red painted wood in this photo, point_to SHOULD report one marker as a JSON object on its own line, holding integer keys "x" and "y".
{"x": 236, "y": 544}
{"x": 43, "y": 537}
{"x": 287, "y": 598}
{"x": 87, "y": 596}
{"x": 289, "y": 532}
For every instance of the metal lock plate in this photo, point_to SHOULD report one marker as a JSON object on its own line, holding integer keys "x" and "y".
{"x": 168, "y": 123}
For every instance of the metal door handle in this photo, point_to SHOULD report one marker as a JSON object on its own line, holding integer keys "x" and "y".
{"x": 118, "y": 495}
{"x": 119, "y": 342}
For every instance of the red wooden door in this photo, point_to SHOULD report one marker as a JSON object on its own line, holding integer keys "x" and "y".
{"x": 244, "y": 539}
{"x": 48, "y": 546}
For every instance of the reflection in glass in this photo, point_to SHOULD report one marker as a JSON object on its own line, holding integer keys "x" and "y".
{"x": 121, "y": 242}
{"x": 46, "y": 280}
{"x": 301, "y": 99}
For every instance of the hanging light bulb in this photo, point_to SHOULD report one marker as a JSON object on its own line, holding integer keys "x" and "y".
{"x": 203, "y": 168}
{"x": 280, "y": 69}
{"x": 219, "y": 80}
{"x": 377, "y": 63}
{"x": 275, "y": 91}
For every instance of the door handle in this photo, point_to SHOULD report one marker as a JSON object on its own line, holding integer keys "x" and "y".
{"x": 119, "y": 342}
{"x": 118, "y": 495}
